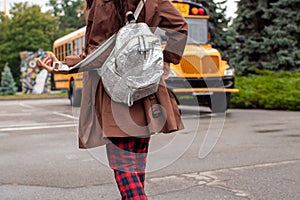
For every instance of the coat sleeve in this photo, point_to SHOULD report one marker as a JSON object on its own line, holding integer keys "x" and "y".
{"x": 176, "y": 29}
{"x": 73, "y": 60}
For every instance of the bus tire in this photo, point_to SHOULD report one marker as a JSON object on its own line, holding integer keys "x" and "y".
{"x": 219, "y": 102}
{"x": 75, "y": 95}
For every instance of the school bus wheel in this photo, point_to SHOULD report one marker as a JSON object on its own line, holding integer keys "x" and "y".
{"x": 219, "y": 102}
{"x": 74, "y": 95}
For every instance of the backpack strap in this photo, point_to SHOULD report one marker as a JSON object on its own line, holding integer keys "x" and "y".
{"x": 139, "y": 9}
{"x": 132, "y": 17}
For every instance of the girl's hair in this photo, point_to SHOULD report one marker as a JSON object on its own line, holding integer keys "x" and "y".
{"x": 89, "y": 4}
{"x": 121, "y": 9}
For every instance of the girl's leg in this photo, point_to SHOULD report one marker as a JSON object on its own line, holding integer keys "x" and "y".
{"x": 130, "y": 186}
{"x": 127, "y": 157}
{"x": 141, "y": 156}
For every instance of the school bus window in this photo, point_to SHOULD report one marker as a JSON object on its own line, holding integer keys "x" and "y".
{"x": 67, "y": 49}
{"x": 198, "y": 29}
{"x": 59, "y": 53}
{"x": 63, "y": 52}
{"x": 83, "y": 43}
{"x": 70, "y": 48}
{"x": 55, "y": 51}
{"x": 78, "y": 46}
{"x": 73, "y": 48}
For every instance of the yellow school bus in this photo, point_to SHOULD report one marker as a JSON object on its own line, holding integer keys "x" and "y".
{"x": 201, "y": 74}
{"x": 70, "y": 44}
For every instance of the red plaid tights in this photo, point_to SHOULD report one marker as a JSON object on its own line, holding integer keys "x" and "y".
{"x": 127, "y": 157}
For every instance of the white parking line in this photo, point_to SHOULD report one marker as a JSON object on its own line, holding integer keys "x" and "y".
{"x": 65, "y": 115}
{"x": 271, "y": 164}
{"x": 26, "y": 106}
{"x": 35, "y": 124}
{"x": 36, "y": 127}
{"x": 254, "y": 166}
{"x": 14, "y": 114}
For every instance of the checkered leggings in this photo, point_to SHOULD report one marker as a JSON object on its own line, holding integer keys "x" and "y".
{"x": 127, "y": 157}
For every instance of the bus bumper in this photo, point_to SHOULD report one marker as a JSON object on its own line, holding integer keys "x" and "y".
{"x": 201, "y": 89}
{"x": 201, "y": 85}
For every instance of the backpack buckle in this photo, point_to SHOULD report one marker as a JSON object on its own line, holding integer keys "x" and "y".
{"x": 130, "y": 17}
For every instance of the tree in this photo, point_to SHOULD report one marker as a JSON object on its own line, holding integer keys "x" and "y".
{"x": 4, "y": 29}
{"x": 27, "y": 30}
{"x": 8, "y": 84}
{"x": 272, "y": 35}
{"x": 282, "y": 36}
{"x": 247, "y": 23}
{"x": 70, "y": 13}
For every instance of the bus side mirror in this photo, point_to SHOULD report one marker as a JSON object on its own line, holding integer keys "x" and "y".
{"x": 211, "y": 31}
{"x": 240, "y": 38}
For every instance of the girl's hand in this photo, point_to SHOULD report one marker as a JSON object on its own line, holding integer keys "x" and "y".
{"x": 45, "y": 62}
{"x": 54, "y": 59}
{"x": 44, "y": 66}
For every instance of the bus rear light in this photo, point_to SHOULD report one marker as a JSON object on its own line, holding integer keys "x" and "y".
{"x": 201, "y": 11}
{"x": 195, "y": 11}
{"x": 198, "y": 11}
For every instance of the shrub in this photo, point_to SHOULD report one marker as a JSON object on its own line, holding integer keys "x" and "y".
{"x": 268, "y": 91}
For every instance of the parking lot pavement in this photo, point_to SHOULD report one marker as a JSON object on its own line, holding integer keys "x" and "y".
{"x": 255, "y": 155}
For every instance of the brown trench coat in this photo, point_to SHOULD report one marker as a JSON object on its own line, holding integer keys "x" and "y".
{"x": 99, "y": 116}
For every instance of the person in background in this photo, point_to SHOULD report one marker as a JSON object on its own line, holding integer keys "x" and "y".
{"x": 127, "y": 133}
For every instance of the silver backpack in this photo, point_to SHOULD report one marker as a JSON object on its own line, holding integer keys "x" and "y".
{"x": 134, "y": 67}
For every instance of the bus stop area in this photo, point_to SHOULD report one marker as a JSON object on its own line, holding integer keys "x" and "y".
{"x": 245, "y": 154}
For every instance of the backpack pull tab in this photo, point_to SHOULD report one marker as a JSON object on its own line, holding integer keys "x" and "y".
{"x": 130, "y": 17}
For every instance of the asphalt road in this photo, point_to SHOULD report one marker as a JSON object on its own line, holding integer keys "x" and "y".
{"x": 245, "y": 154}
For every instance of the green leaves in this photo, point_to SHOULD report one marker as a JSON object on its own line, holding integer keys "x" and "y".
{"x": 27, "y": 29}
{"x": 70, "y": 13}
{"x": 268, "y": 91}
{"x": 272, "y": 29}
{"x": 8, "y": 85}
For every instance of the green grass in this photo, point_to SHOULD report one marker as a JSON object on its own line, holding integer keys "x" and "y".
{"x": 34, "y": 96}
